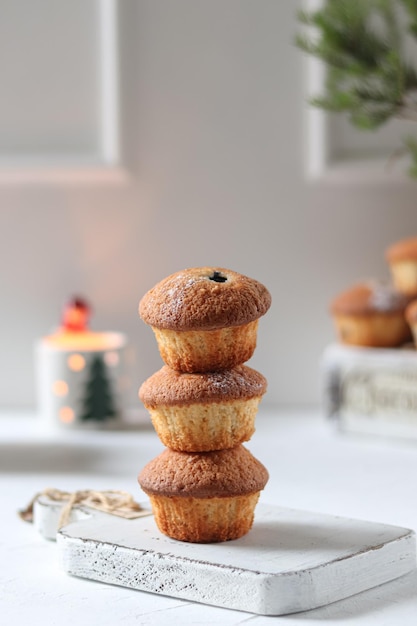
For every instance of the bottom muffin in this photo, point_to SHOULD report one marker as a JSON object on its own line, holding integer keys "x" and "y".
{"x": 204, "y": 497}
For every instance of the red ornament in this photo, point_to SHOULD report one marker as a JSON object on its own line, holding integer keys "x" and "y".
{"x": 76, "y": 315}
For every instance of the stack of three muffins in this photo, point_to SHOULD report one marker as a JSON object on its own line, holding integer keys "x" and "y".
{"x": 205, "y": 485}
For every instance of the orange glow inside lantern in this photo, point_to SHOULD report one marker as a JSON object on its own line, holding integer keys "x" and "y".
{"x": 74, "y": 334}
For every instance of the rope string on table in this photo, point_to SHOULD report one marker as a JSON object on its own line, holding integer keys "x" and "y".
{"x": 120, "y": 503}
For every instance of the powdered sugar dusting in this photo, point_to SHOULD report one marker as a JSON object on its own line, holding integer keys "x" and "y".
{"x": 384, "y": 297}
{"x": 204, "y": 298}
{"x": 169, "y": 387}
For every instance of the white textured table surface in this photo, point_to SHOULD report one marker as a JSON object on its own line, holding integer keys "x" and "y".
{"x": 311, "y": 467}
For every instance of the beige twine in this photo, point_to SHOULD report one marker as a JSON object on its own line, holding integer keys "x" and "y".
{"x": 118, "y": 503}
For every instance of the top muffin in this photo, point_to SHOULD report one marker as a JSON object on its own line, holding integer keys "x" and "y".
{"x": 204, "y": 298}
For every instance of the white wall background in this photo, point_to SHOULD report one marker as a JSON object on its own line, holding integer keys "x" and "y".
{"x": 212, "y": 111}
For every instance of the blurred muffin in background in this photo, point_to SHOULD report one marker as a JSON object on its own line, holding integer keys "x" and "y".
{"x": 371, "y": 314}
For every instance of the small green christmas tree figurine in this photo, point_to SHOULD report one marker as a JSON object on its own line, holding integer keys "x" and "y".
{"x": 98, "y": 402}
{"x": 369, "y": 77}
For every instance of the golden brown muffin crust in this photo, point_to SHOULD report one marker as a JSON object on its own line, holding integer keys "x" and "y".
{"x": 367, "y": 299}
{"x": 168, "y": 387}
{"x": 204, "y": 298}
{"x": 222, "y": 473}
{"x": 411, "y": 312}
{"x": 402, "y": 250}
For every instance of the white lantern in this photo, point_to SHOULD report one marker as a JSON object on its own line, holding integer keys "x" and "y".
{"x": 82, "y": 375}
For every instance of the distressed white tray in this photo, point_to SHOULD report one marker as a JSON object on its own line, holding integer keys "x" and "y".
{"x": 290, "y": 560}
{"x": 371, "y": 391}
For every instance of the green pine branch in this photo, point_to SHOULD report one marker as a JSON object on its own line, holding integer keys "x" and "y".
{"x": 411, "y": 147}
{"x": 369, "y": 78}
{"x": 411, "y": 8}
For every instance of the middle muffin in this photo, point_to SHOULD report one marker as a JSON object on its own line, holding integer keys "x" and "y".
{"x": 203, "y": 412}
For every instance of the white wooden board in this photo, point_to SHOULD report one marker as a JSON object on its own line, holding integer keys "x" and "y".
{"x": 290, "y": 561}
